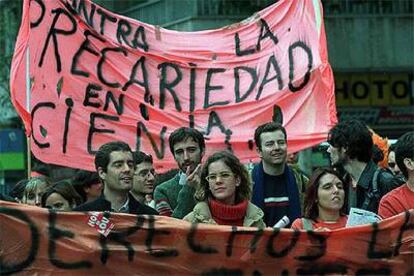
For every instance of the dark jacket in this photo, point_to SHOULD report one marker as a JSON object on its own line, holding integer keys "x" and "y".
{"x": 296, "y": 187}
{"x": 302, "y": 182}
{"x": 386, "y": 182}
{"x": 101, "y": 204}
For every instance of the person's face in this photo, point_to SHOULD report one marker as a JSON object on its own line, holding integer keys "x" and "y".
{"x": 119, "y": 174}
{"x": 337, "y": 155}
{"x": 331, "y": 194}
{"x": 392, "y": 165}
{"x": 187, "y": 154}
{"x": 34, "y": 197}
{"x": 222, "y": 182}
{"x": 292, "y": 158}
{"x": 94, "y": 190}
{"x": 273, "y": 147}
{"x": 58, "y": 203}
{"x": 144, "y": 177}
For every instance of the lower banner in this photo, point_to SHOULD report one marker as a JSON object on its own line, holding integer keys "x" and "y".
{"x": 38, "y": 241}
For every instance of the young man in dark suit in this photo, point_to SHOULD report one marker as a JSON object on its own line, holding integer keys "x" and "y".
{"x": 115, "y": 166}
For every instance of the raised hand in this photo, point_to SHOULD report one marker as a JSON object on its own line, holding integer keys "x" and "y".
{"x": 193, "y": 178}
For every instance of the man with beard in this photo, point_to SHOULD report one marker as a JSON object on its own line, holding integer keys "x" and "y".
{"x": 115, "y": 166}
{"x": 351, "y": 147}
{"x": 175, "y": 197}
{"x": 278, "y": 189}
{"x": 144, "y": 176}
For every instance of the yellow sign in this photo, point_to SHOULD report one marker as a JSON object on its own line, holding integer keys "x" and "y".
{"x": 373, "y": 89}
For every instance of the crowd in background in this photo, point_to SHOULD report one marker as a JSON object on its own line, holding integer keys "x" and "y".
{"x": 366, "y": 172}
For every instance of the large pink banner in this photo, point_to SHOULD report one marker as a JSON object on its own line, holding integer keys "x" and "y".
{"x": 96, "y": 76}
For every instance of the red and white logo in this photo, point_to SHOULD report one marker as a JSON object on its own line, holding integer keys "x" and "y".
{"x": 102, "y": 224}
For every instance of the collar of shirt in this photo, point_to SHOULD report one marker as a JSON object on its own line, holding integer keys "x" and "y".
{"x": 183, "y": 178}
{"x": 124, "y": 208}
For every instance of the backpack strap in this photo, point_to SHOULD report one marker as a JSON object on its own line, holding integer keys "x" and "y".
{"x": 373, "y": 192}
{"x": 375, "y": 189}
{"x": 301, "y": 179}
{"x": 307, "y": 224}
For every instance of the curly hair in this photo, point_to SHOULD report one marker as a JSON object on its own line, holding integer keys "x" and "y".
{"x": 311, "y": 210}
{"x": 243, "y": 191}
{"x": 353, "y": 136}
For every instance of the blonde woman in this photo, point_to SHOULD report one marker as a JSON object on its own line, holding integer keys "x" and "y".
{"x": 34, "y": 190}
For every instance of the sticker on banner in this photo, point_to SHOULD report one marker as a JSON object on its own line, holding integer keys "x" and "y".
{"x": 102, "y": 224}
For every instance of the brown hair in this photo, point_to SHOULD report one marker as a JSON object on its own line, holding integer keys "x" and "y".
{"x": 243, "y": 191}
{"x": 311, "y": 210}
{"x": 66, "y": 190}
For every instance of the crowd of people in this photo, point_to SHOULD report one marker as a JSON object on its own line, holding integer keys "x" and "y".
{"x": 221, "y": 190}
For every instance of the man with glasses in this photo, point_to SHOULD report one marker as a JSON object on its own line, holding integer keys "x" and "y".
{"x": 278, "y": 189}
{"x": 144, "y": 176}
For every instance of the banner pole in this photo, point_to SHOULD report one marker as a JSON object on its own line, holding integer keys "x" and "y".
{"x": 28, "y": 140}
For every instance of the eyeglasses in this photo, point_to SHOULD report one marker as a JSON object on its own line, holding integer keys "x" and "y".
{"x": 222, "y": 175}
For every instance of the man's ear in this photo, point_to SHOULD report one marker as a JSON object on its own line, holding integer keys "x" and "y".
{"x": 101, "y": 173}
{"x": 409, "y": 163}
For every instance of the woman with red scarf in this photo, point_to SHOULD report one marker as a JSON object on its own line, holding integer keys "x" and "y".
{"x": 224, "y": 193}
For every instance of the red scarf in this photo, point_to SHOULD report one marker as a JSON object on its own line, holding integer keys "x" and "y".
{"x": 228, "y": 214}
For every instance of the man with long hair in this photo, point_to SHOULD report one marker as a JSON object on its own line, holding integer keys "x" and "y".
{"x": 350, "y": 146}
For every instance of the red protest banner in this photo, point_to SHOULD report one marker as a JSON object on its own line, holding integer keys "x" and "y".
{"x": 97, "y": 77}
{"x": 38, "y": 241}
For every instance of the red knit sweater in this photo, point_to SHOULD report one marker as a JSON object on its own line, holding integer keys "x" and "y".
{"x": 228, "y": 214}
